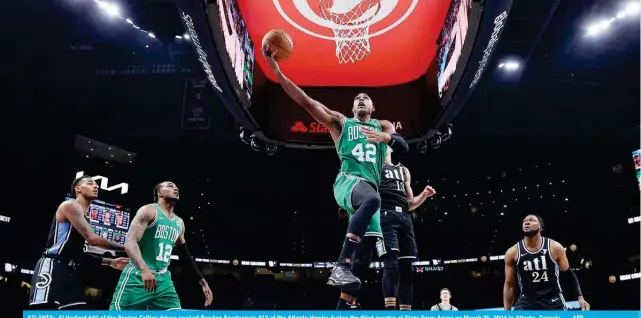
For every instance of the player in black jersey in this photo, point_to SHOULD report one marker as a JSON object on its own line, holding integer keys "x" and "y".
{"x": 537, "y": 263}
{"x": 399, "y": 249}
{"x": 56, "y": 283}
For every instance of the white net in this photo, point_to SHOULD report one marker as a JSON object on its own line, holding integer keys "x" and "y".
{"x": 351, "y": 30}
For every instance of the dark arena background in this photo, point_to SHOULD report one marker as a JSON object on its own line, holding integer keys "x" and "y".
{"x": 510, "y": 107}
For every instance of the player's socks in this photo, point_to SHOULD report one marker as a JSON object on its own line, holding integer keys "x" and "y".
{"x": 390, "y": 303}
{"x": 405, "y": 307}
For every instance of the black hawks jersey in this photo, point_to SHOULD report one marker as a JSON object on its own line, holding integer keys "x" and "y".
{"x": 537, "y": 272}
{"x": 392, "y": 188}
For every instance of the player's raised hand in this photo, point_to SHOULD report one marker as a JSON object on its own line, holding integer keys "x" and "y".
{"x": 375, "y": 136}
{"x": 270, "y": 58}
{"x": 149, "y": 280}
{"x": 119, "y": 263}
{"x": 209, "y": 296}
{"x": 429, "y": 191}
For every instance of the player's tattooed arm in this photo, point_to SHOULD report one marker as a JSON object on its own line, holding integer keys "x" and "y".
{"x": 510, "y": 277}
{"x": 415, "y": 201}
{"x": 73, "y": 212}
{"x": 144, "y": 216}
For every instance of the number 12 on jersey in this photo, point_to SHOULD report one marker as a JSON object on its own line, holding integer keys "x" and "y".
{"x": 164, "y": 252}
{"x": 369, "y": 155}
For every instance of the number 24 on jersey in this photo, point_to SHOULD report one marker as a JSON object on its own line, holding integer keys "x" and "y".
{"x": 368, "y": 155}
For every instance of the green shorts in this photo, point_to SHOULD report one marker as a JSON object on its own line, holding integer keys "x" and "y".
{"x": 343, "y": 187}
{"x": 131, "y": 295}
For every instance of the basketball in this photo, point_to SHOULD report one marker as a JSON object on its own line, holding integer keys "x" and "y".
{"x": 281, "y": 41}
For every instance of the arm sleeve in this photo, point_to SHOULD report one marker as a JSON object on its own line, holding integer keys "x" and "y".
{"x": 398, "y": 143}
{"x": 187, "y": 260}
{"x": 571, "y": 278}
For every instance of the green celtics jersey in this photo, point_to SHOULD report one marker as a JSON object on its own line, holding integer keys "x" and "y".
{"x": 358, "y": 156}
{"x": 159, "y": 240}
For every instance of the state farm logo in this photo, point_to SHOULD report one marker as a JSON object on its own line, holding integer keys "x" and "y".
{"x": 315, "y": 127}
{"x": 300, "y": 127}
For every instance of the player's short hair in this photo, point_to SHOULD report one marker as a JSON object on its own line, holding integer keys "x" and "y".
{"x": 540, "y": 221}
{"x": 448, "y": 290}
{"x": 75, "y": 183}
{"x": 156, "y": 189}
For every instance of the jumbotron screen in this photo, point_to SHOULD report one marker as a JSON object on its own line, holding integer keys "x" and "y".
{"x": 108, "y": 220}
{"x": 450, "y": 43}
{"x": 238, "y": 44}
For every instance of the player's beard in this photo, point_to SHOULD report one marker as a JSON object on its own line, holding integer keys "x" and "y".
{"x": 173, "y": 200}
{"x": 531, "y": 233}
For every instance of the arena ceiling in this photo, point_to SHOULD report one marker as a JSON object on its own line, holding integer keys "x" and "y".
{"x": 401, "y": 51}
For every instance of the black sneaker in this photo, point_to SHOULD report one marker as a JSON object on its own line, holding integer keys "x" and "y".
{"x": 342, "y": 277}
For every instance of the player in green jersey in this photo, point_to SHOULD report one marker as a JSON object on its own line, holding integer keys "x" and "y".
{"x": 155, "y": 232}
{"x": 361, "y": 143}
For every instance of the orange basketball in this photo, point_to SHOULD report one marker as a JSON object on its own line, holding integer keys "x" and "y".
{"x": 280, "y": 41}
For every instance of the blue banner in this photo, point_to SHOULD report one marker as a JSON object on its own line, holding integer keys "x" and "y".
{"x": 495, "y": 15}
{"x": 329, "y": 314}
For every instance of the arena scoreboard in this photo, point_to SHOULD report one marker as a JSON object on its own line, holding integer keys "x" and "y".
{"x": 111, "y": 221}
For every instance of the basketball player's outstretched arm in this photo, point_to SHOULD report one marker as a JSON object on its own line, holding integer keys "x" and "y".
{"x": 510, "y": 277}
{"x": 73, "y": 212}
{"x": 331, "y": 119}
{"x": 558, "y": 253}
{"x": 188, "y": 262}
{"x": 415, "y": 201}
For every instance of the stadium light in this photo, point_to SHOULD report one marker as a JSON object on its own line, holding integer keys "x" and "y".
{"x": 179, "y": 37}
{"x": 599, "y": 27}
{"x": 633, "y": 8}
{"x": 510, "y": 65}
{"x": 111, "y": 9}
{"x": 186, "y": 36}
{"x": 151, "y": 35}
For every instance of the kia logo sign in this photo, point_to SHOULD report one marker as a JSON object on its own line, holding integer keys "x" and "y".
{"x": 104, "y": 183}
{"x": 318, "y": 128}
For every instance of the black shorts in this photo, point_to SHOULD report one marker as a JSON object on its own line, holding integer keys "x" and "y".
{"x": 398, "y": 234}
{"x": 556, "y": 302}
{"x": 56, "y": 284}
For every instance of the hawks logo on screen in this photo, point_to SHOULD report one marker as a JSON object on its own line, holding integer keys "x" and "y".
{"x": 403, "y": 31}
{"x": 315, "y": 127}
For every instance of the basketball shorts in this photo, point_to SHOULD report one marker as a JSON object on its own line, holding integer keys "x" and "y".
{"x": 130, "y": 292}
{"x": 56, "y": 284}
{"x": 555, "y": 302}
{"x": 398, "y": 234}
{"x": 343, "y": 189}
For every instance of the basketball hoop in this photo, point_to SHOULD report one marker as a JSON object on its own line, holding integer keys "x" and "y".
{"x": 351, "y": 29}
